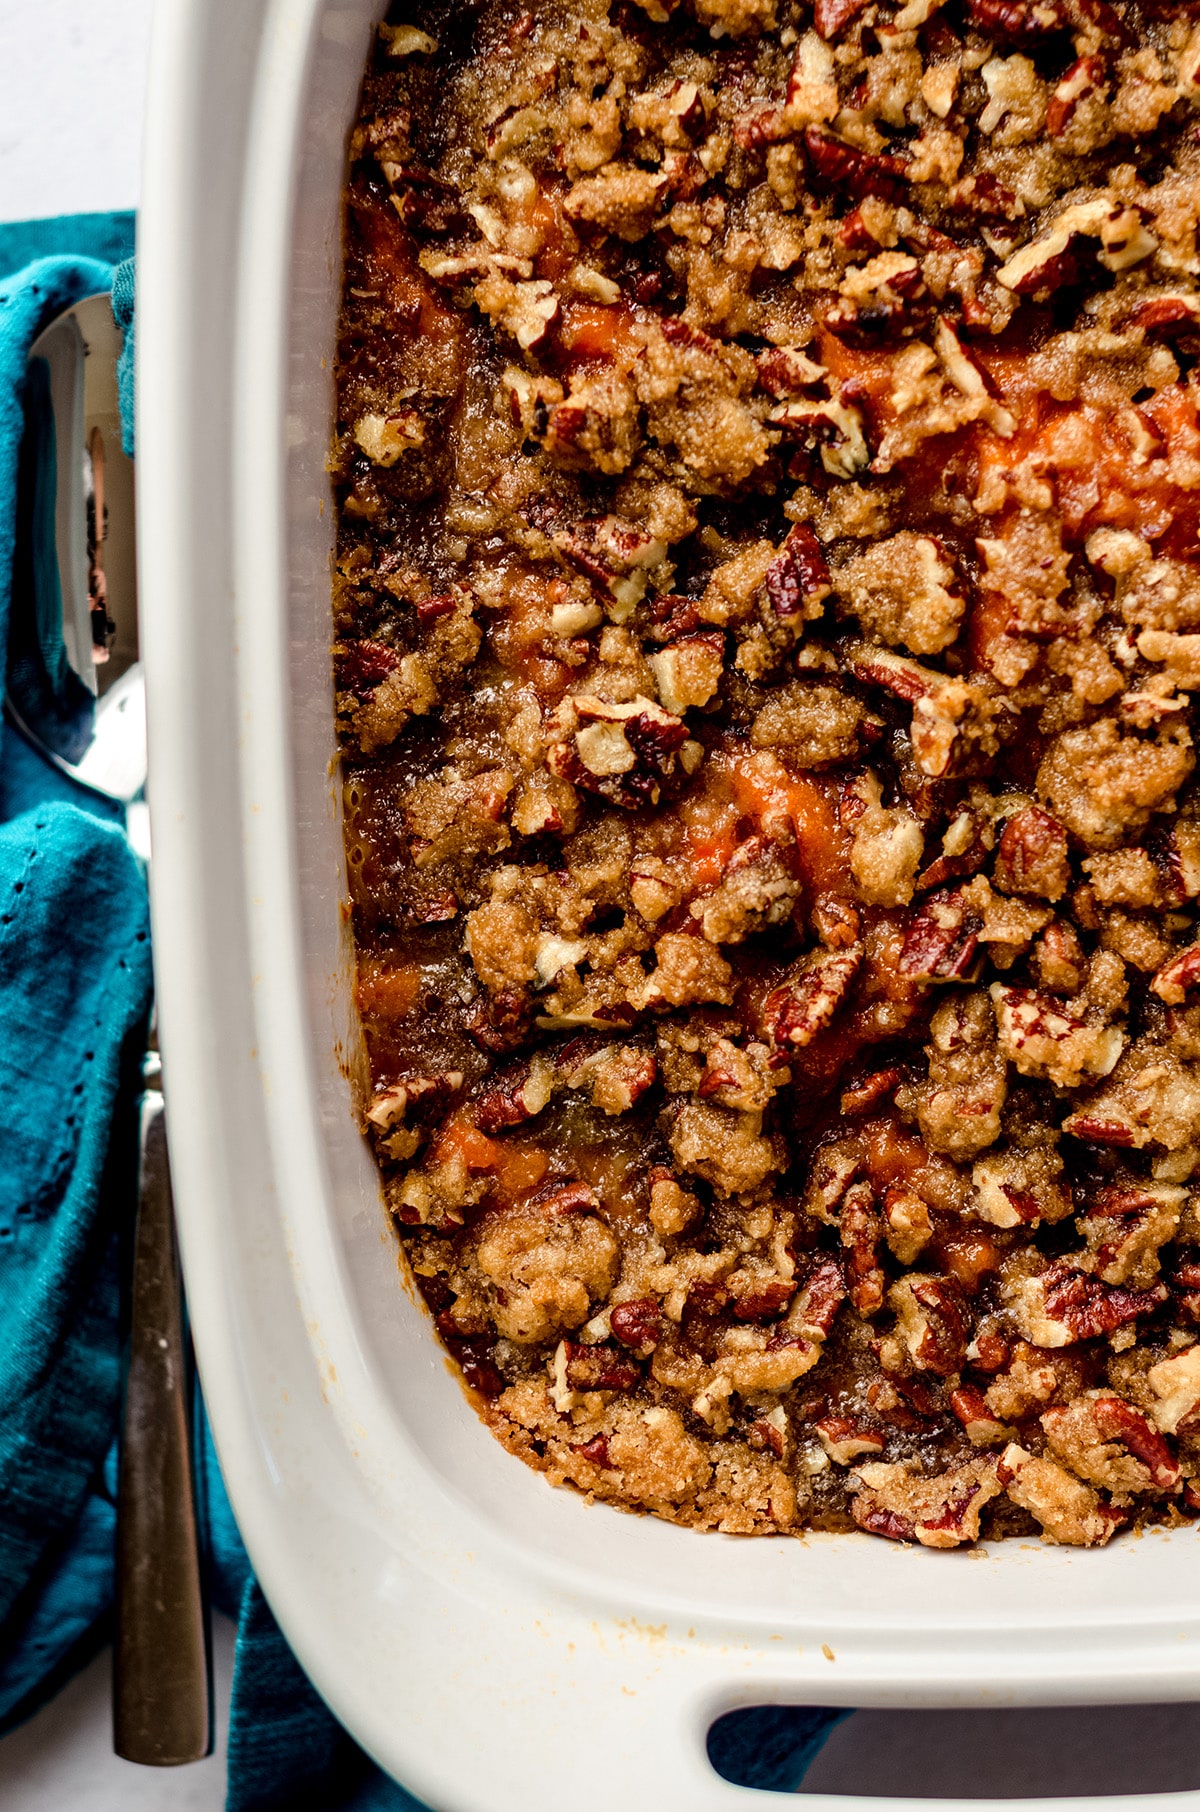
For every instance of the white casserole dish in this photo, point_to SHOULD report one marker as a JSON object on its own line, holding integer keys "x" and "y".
{"x": 499, "y": 1646}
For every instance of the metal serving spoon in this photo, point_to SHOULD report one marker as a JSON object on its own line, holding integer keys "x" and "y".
{"x": 75, "y": 690}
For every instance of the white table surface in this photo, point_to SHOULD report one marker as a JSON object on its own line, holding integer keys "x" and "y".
{"x": 72, "y": 74}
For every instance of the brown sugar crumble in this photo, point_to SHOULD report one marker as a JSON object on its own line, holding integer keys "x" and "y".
{"x": 767, "y": 616}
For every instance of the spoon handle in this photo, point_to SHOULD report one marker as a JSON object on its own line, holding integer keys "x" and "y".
{"x": 162, "y": 1700}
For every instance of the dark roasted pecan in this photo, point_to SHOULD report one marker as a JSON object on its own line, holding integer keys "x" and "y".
{"x": 515, "y": 1094}
{"x": 984, "y": 195}
{"x": 831, "y": 17}
{"x": 1094, "y": 1129}
{"x": 479, "y": 1369}
{"x": 763, "y": 1301}
{"x": 424, "y": 202}
{"x": 501, "y": 1021}
{"x": 1082, "y": 79}
{"x": 799, "y": 1008}
{"x": 598, "y": 1368}
{"x": 361, "y": 666}
{"x": 638, "y": 1325}
{"x": 869, "y": 1091}
{"x": 1087, "y": 1308}
{"x": 1032, "y": 855}
{"x": 799, "y": 575}
{"x": 430, "y": 609}
{"x": 989, "y": 1351}
{"x": 861, "y": 1229}
{"x": 859, "y": 173}
{"x": 413, "y": 1097}
{"x": 557, "y": 1199}
{"x": 881, "y": 1522}
{"x": 1019, "y": 22}
{"x": 595, "y": 1450}
{"x": 941, "y": 943}
{"x": 1179, "y": 977}
{"x": 1166, "y": 313}
{"x": 822, "y": 1294}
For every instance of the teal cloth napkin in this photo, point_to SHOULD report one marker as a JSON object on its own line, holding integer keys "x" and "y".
{"x": 75, "y": 984}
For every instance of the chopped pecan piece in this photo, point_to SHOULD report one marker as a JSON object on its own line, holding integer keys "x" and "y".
{"x": 1068, "y": 1510}
{"x": 861, "y": 1096}
{"x": 363, "y": 665}
{"x": 760, "y": 1299}
{"x": 981, "y": 1427}
{"x": 1166, "y": 312}
{"x": 860, "y": 1230}
{"x": 614, "y": 555}
{"x": 413, "y": 1094}
{"x": 1054, "y": 259}
{"x": 596, "y": 1368}
{"x": 1019, "y": 22}
{"x": 859, "y": 173}
{"x": 1032, "y": 855}
{"x": 622, "y": 752}
{"x": 932, "y": 1321}
{"x": 757, "y": 890}
{"x": 814, "y": 1309}
{"x": 1088, "y": 1435}
{"x": 833, "y": 429}
{"x": 1065, "y": 1304}
{"x": 794, "y": 1013}
{"x": 1085, "y": 77}
{"x": 798, "y": 577}
{"x": 1125, "y": 1229}
{"x": 942, "y": 940}
{"x": 1176, "y": 1384}
{"x": 1044, "y": 1041}
{"x": 831, "y": 17}
{"x": 1179, "y": 977}
{"x": 846, "y": 1440}
{"x": 785, "y": 371}
{"x": 638, "y": 1325}
{"x": 939, "y": 1512}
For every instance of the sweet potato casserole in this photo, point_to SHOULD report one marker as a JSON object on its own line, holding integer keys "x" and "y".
{"x": 768, "y": 616}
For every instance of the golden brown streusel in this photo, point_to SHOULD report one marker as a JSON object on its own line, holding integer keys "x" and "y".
{"x": 768, "y": 628}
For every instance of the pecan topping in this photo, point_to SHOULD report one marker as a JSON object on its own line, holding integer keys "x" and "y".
{"x": 799, "y": 1008}
{"x": 1016, "y": 21}
{"x": 798, "y": 577}
{"x": 638, "y": 1325}
{"x": 933, "y": 1322}
{"x": 846, "y": 1440}
{"x": 1176, "y": 979}
{"x": 1032, "y": 855}
{"x": 1066, "y": 1304}
{"x": 861, "y": 1229}
{"x": 941, "y": 941}
{"x": 767, "y": 646}
{"x": 859, "y": 173}
{"x": 621, "y": 752}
